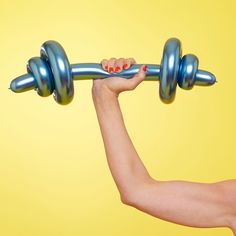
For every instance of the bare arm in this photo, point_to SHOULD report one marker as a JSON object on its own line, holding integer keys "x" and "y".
{"x": 186, "y": 203}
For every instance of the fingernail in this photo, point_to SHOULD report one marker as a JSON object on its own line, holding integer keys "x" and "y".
{"x": 111, "y": 70}
{"x": 117, "y": 68}
{"x": 145, "y": 68}
{"x": 106, "y": 67}
{"x": 125, "y": 66}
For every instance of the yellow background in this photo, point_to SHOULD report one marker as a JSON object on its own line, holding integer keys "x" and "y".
{"x": 54, "y": 179}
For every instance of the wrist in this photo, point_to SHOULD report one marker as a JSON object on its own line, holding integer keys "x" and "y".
{"x": 101, "y": 92}
{"x": 105, "y": 101}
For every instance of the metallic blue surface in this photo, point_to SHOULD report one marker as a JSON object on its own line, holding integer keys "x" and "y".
{"x": 23, "y": 83}
{"x": 169, "y": 70}
{"x": 187, "y": 71}
{"x": 53, "y": 73}
{"x": 53, "y": 53}
{"x": 42, "y": 74}
{"x": 204, "y": 78}
{"x": 88, "y": 71}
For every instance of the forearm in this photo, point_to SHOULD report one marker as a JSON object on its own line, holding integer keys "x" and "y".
{"x": 126, "y": 167}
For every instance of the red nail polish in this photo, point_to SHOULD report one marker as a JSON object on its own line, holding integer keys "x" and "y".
{"x": 111, "y": 70}
{"x": 106, "y": 67}
{"x": 145, "y": 68}
{"x": 117, "y": 68}
{"x": 125, "y": 66}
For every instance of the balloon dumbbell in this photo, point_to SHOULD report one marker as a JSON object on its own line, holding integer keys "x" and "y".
{"x": 52, "y": 73}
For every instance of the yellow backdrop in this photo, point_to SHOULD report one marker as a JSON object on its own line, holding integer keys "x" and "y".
{"x": 54, "y": 179}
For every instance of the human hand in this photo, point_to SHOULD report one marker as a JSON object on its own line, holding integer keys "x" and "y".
{"x": 116, "y": 85}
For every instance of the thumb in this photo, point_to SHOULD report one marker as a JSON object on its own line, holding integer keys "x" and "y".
{"x": 138, "y": 78}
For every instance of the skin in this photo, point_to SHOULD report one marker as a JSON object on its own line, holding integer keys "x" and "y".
{"x": 192, "y": 204}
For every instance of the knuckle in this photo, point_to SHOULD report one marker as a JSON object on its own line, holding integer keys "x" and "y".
{"x": 131, "y": 60}
{"x": 104, "y": 61}
{"x": 112, "y": 59}
{"x": 121, "y": 59}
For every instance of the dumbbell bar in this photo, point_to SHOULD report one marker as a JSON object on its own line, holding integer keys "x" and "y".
{"x": 52, "y": 73}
